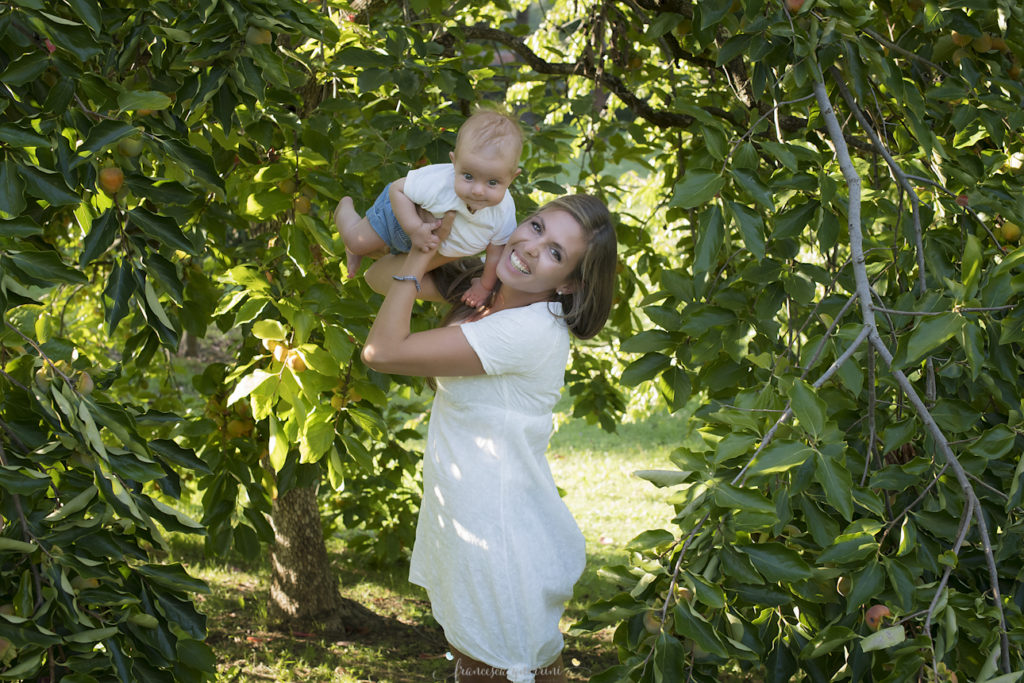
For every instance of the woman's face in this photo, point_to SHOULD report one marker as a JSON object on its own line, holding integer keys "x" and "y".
{"x": 542, "y": 253}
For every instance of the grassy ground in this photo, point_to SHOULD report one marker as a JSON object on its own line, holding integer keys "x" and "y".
{"x": 610, "y": 505}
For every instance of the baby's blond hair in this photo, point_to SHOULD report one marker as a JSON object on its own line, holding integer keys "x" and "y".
{"x": 491, "y": 131}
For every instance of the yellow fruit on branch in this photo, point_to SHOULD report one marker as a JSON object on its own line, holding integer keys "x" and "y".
{"x": 237, "y": 427}
{"x": 652, "y": 621}
{"x": 130, "y": 147}
{"x": 1010, "y": 231}
{"x": 983, "y": 43}
{"x": 875, "y": 616}
{"x": 258, "y": 36}
{"x": 295, "y": 363}
{"x": 302, "y": 204}
{"x": 85, "y": 384}
{"x": 338, "y": 401}
{"x": 111, "y": 179}
{"x": 280, "y": 352}
{"x": 271, "y": 344}
{"x": 961, "y": 39}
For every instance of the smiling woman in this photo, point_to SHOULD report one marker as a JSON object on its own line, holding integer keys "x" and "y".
{"x": 496, "y": 548}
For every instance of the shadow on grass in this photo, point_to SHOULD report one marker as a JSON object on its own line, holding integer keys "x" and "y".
{"x": 399, "y": 641}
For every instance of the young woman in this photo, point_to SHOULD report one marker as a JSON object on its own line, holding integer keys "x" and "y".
{"x": 496, "y": 548}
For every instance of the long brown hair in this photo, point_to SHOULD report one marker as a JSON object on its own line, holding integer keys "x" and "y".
{"x": 587, "y": 306}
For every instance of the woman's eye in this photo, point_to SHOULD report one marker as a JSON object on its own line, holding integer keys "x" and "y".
{"x": 535, "y": 225}
{"x": 557, "y": 255}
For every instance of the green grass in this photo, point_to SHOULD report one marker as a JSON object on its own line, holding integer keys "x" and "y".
{"x": 611, "y": 506}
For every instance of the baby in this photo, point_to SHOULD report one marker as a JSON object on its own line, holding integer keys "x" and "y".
{"x": 474, "y": 186}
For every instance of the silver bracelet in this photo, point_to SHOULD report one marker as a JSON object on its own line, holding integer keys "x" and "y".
{"x": 407, "y": 278}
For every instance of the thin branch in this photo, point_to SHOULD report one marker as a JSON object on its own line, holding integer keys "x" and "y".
{"x": 863, "y": 287}
{"x": 905, "y": 52}
{"x": 897, "y": 172}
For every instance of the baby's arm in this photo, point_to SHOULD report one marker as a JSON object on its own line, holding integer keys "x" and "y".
{"x": 480, "y": 291}
{"x": 421, "y": 232}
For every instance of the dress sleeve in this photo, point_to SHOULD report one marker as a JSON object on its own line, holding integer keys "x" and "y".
{"x": 517, "y": 340}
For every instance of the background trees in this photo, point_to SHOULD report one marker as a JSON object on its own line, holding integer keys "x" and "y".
{"x": 817, "y": 205}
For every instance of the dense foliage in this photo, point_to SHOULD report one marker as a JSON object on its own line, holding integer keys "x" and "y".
{"x": 817, "y": 204}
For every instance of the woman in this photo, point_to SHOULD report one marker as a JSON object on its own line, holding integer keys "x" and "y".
{"x": 496, "y": 549}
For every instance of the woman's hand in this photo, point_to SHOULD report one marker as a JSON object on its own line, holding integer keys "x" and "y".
{"x": 428, "y": 234}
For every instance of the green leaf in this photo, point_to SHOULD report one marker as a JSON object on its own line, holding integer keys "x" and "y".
{"x": 120, "y": 287}
{"x": 971, "y": 267}
{"x": 163, "y": 229}
{"x": 837, "y": 482}
{"x": 732, "y": 498}
{"x": 46, "y": 266}
{"x": 780, "y": 457}
{"x": 100, "y": 237}
{"x": 12, "y": 191}
{"x": 794, "y": 221}
{"x": 669, "y": 659}
{"x": 248, "y": 384}
{"x": 931, "y": 333}
{"x": 279, "y": 444}
{"x": 754, "y": 187}
{"x": 106, "y": 133}
{"x": 193, "y": 162}
{"x": 20, "y": 227}
{"x": 663, "y": 478}
{"x": 173, "y": 576}
{"x": 269, "y": 329}
{"x": 649, "y": 340}
{"x": 885, "y": 638}
{"x": 694, "y": 626}
{"x": 994, "y": 443}
{"x": 751, "y": 227}
{"x": 90, "y": 14}
{"x": 651, "y": 538}
{"x": 17, "y": 136}
{"x": 698, "y": 187}
{"x": 25, "y": 68}
{"x": 777, "y": 562}
{"x": 644, "y": 369}
{"x": 809, "y": 409}
{"x": 49, "y": 187}
{"x": 709, "y": 240}
{"x": 133, "y": 100}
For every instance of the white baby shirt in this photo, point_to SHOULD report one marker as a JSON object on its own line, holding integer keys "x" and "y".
{"x": 496, "y": 548}
{"x": 433, "y": 188}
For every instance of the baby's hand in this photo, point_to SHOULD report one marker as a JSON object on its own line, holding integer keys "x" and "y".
{"x": 477, "y": 295}
{"x": 423, "y": 237}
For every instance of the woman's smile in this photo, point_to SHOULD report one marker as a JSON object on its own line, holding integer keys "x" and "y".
{"x": 518, "y": 263}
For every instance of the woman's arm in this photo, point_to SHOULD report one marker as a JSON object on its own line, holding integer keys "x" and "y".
{"x": 391, "y": 346}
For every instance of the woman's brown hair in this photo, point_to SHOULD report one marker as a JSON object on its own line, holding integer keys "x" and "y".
{"x": 586, "y": 308}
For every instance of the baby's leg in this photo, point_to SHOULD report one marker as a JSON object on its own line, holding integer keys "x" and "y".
{"x": 359, "y": 236}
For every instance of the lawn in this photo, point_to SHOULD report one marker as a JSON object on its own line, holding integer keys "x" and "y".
{"x": 611, "y": 506}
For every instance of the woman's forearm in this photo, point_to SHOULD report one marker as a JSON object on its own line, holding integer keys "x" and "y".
{"x": 391, "y": 327}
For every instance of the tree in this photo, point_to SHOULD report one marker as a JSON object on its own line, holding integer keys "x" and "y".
{"x": 804, "y": 190}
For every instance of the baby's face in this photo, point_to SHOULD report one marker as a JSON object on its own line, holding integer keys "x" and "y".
{"x": 482, "y": 177}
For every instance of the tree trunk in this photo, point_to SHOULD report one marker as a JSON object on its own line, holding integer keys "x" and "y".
{"x": 304, "y": 592}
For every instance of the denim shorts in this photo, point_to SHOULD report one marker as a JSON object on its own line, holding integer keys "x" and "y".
{"x": 382, "y": 220}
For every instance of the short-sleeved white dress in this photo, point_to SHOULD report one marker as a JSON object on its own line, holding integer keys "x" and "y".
{"x": 496, "y": 548}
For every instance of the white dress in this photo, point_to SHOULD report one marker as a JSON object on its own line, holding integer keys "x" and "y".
{"x": 496, "y": 548}
{"x": 433, "y": 188}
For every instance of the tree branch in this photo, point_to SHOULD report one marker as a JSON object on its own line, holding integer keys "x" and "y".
{"x": 864, "y": 290}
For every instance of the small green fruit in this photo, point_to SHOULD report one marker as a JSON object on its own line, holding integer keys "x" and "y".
{"x": 258, "y": 36}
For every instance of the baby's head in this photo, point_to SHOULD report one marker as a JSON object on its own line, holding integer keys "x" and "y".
{"x": 486, "y": 158}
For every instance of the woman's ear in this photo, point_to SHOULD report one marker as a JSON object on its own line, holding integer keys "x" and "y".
{"x": 564, "y": 289}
